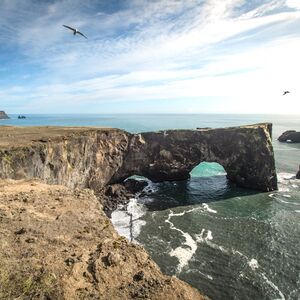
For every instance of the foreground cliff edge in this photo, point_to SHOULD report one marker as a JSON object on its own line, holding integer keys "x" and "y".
{"x": 56, "y": 242}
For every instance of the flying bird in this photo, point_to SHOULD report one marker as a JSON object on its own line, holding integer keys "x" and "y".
{"x": 75, "y": 31}
{"x": 285, "y": 92}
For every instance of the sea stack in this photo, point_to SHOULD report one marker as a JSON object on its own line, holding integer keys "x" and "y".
{"x": 290, "y": 136}
{"x": 3, "y": 115}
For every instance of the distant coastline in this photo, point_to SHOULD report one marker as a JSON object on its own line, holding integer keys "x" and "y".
{"x": 3, "y": 115}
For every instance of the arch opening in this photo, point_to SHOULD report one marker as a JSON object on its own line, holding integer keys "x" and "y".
{"x": 208, "y": 169}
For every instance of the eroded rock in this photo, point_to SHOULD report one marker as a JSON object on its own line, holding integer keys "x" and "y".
{"x": 245, "y": 152}
{"x": 93, "y": 158}
{"x": 290, "y": 136}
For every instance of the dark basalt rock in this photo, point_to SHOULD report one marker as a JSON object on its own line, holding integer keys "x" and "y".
{"x": 3, "y": 115}
{"x": 112, "y": 196}
{"x": 135, "y": 186}
{"x": 290, "y": 136}
{"x": 245, "y": 152}
{"x": 115, "y": 195}
{"x": 97, "y": 157}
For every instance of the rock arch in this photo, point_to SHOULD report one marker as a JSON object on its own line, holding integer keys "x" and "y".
{"x": 245, "y": 152}
{"x": 94, "y": 157}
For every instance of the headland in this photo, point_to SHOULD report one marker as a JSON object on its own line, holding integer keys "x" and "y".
{"x": 56, "y": 240}
{"x": 3, "y": 115}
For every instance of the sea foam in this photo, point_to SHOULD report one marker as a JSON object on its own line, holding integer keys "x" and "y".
{"x": 127, "y": 222}
{"x": 253, "y": 264}
{"x": 183, "y": 254}
{"x": 206, "y": 207}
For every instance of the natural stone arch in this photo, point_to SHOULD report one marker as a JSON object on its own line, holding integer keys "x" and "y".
{"x": 245, "y": 152}
{"x": 95, "y": 157}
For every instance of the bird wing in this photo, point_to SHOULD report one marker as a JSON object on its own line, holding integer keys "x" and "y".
{"x": 73, "y": 29}
{"x": 81, "y": 34}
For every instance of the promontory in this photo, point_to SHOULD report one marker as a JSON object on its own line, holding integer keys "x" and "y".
{"x": 3, "y": 115}
{"x": 94, "y": 157}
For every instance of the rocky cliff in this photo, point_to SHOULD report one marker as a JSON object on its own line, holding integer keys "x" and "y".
{"x": 245, "y": 152}
{"x": 94, "y": 157}
{"x": 3, "y": 115}
{"x": 56, "y": 243}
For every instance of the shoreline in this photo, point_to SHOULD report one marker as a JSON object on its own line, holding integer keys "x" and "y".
{"x": 101, "y": 159}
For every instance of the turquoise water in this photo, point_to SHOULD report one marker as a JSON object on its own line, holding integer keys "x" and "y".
{"x": 230, "y": 243}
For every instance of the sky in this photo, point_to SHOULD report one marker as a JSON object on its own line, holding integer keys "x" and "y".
{"x": 150, "y": 56}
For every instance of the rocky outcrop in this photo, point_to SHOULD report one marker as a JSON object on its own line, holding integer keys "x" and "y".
{"x": 290, "y": 136}
{"x": 3, "y": 115}
{"x": 245, "y": 152}
{"x": 90, "y": 157}
{"x": 56, "y": 243}
{"x": 114, "y": 195}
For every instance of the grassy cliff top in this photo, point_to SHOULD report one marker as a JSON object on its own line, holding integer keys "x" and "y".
{"x": 13, "y": 136}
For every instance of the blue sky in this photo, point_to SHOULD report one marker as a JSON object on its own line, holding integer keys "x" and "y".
{"x": 168, "y": 56}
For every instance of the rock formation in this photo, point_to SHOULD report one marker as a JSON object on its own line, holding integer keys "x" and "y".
{"x": 298, "y": 173}
{"x": 90, "y": 157}
{"x": 245, "y": 152}
{"x": 290, "y": 136}
{"x": 56, "y": 243}
{"x": 3, "y": 115}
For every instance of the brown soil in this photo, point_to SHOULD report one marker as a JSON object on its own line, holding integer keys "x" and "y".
{"x": 14, "y": 136}
{"x": 56, "y": 243}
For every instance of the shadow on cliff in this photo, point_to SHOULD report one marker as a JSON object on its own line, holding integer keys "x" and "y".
{"x": 195, "y": 190}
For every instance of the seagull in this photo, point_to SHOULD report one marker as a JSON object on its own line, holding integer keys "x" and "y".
{"x": 75, "y": 31}
{"x": 285, "y": 92}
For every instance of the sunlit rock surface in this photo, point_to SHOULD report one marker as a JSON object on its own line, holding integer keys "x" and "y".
{"x": 56, "y": 243}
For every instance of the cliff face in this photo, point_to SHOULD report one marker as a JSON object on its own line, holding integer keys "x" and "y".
{"x": 89, "y": 157}
{"x": 56, "y": 243}
{"x": 246, "y": 154}
{"x": 72, "y": 157}
{"x": 3, "y": 115}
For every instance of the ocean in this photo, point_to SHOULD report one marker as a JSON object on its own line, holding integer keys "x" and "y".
{"x": 229, "y": 242}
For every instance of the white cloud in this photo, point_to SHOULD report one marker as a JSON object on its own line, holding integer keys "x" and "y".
{"x": 293, "y": 3}
{"x": 152, "y": 51}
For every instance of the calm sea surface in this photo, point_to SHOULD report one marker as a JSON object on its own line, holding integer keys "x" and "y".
{"x": 230, "y": 243}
